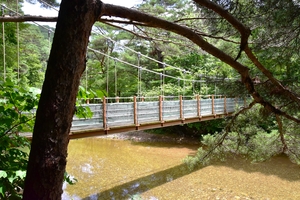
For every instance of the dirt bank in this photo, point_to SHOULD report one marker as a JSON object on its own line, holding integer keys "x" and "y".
{"x": 142, "y": 136}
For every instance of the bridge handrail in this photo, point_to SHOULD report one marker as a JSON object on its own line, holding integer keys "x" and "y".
{"x": 109, "y": 114}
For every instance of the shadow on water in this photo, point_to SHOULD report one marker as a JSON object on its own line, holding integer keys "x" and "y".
{"x": 140, "y": 185}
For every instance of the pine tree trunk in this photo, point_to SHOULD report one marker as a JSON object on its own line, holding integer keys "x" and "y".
{"x": 48, "y": 155}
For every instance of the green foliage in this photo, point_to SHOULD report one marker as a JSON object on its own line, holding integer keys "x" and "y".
{"x": 212, "y": 126}
{"x": 82, "y": 97}
{"x": 69, "y": 179}
{"x": 16, "y": 115}
{"x": 254, "y": 136}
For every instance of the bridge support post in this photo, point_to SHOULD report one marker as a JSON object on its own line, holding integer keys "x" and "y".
{"x": 160, "y": 117}
{"x": 181, "y": 108}
{"x": 104, "y": 110}
{"x": 135, "y": 118}
{"x": 198, "y": 106}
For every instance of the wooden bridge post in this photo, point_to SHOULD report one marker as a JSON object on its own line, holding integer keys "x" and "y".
{"x": 213, "y": 104}
{"x": 181, "y": 107}
{"x": 104, "y": 114}
{"x": 117, "y": 99}
{"x": 160, "y": 118}
{"x": 198, "y": 106}
{"x": 135, "y": 119}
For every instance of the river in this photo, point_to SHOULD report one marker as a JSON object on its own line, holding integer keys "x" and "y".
{"x": 118, "y": 169}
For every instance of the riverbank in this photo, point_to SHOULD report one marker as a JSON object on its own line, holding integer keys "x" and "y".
{"x": 142, "y": 136}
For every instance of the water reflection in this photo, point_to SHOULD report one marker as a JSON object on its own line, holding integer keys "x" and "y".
{"x": 112, "y": 169}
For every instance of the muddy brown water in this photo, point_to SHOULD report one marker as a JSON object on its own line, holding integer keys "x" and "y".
{"x": 118, "y": 169}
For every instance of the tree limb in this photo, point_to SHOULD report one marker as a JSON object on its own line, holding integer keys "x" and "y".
{"x": 245, "y": 32}
{"x": 227, "y": 130}
{"x": 148, "y": 20}
{"x": 27, "y": 18}
{"x": 151, "y": 21}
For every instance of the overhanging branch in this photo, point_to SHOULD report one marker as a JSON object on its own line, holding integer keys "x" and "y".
{"x": 27, "y": 18}
{"x": 155, "y": 22}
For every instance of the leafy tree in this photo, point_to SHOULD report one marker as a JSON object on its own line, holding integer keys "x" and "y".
{"x": 34, "y": 49}
{"x": 16, "y": 108}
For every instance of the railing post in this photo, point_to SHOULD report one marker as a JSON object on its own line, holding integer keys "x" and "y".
{"x": 104, "y": 114}
{"x": 87, "y": 101}
{"x": 117, "y": 99}
{"x": 213, "y": 104}
{"x": 135, "y": 120}
{"x": 160, "y": 118}
{"x": 198, "y": 106}
{"x": 143, "y": 99}
{"x": 181, "y": 107}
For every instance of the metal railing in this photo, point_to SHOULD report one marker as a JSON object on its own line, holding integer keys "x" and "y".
{"x": 119, "y": 111}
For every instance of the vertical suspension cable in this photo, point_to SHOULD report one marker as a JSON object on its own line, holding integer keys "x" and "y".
{"x": 116, "y": 80}
{"x": 139, "y": 75}
{"x": 107, "y": 75}
{"x": 163, "y": 80}
{"x": 183, "y": 92}
{"x": 193, "y": 84}
{"x": 141, "y": 70}
{"x": 215, "y": 89}
{"x": 3, "y": 39}
{"x": 178, "y": 87}
{"x": 200, "y": 87}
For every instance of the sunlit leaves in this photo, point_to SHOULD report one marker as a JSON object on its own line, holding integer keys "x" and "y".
{"x": 17, "y": 115}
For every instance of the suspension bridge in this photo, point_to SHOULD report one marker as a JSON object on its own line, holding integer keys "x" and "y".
{"x": 121, "y": 114}
{"x": 149, "y": 113}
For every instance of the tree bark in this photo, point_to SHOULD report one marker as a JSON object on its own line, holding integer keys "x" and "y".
{"x": 67, "y": 61}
